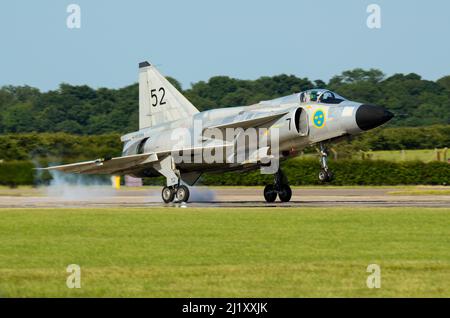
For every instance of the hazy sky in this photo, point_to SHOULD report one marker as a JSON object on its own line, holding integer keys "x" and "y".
{"x": 196, "y": 39}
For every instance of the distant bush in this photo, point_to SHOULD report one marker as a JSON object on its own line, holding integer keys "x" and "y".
{"x": 346, "y": 172}
{"x": 58, "y": 147}
{"x": 299, "y": 172}
{"x": 16, "y": 173}
{"x": 428, "y": 137}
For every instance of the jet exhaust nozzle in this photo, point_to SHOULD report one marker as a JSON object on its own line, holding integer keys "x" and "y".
{"x": 371, "y": 116}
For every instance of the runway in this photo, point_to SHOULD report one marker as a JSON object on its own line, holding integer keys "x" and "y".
{"x": 226, "y": 197}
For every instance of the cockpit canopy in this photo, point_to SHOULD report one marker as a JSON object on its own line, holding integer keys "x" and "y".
{"x": 320, "y": 96}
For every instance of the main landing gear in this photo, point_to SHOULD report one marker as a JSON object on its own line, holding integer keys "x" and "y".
{"x": 280, "y": 188}
{"x": 175, "y": 193}
{"x": 325, "y": 174}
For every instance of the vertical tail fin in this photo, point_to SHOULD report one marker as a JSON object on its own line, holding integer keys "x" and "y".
{"x": 160, "y": 101}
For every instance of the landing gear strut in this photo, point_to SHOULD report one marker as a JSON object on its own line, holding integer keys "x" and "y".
{"x": 173, "y": 191}
{"x": 280, "y": 188}
{"x": 325, "y": 174}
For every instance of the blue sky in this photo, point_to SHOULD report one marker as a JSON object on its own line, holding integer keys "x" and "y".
{"x": 194, "y": 40}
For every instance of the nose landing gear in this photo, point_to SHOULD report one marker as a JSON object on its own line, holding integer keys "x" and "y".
{"x": 325, "y": 174}
{"x": 280, "y": 188}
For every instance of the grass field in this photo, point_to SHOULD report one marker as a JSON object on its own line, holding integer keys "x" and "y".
{"x": 422, "y": 191}
{"x": 273, "y": 252}
{"x": 425, "y": 155}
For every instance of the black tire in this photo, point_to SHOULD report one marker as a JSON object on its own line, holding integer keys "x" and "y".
{"x": 285, "y": 193}
{"x": 325, "y": 176}
{"x": 183, "y": 193}
{"x": 167, "y": 194}
{"x": 269, "y": 193}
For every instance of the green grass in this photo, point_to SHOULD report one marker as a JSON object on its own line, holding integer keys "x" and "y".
{"x": 425, "y": 155}
{"x": 273, "y": 252}
{"x": 18, "y": 191}
{"x": 421, "y": 192}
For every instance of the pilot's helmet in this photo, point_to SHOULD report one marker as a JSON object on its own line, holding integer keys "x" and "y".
{"x": 302, "y": 97}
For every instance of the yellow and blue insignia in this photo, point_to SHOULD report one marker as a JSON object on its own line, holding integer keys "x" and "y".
{"x": 319, "y": 118}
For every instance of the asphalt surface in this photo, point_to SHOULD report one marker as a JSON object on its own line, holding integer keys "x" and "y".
{"x": 74, "y": 197}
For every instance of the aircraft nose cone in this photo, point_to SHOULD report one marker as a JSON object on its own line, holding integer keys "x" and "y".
{"x": 371, "y": 116}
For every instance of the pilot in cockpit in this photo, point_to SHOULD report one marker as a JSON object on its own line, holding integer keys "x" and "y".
{"x": 302, "y": 97}
{"x": 320, "y": 96}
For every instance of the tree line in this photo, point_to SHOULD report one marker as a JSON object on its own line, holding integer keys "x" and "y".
{"x": 300, "y": 172}
{"x": 84, "y": 110}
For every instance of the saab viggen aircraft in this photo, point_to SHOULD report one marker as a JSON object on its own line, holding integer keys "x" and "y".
{"x": 177, "y": 141}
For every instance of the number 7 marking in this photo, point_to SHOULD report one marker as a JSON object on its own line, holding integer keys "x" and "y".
{"x": 289, "y": 119}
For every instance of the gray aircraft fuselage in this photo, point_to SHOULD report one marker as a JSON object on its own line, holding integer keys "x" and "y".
{"x": 300, "y": 127}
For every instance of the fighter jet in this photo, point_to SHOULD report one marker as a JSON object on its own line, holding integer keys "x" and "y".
{"x": 177, "y": 141}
